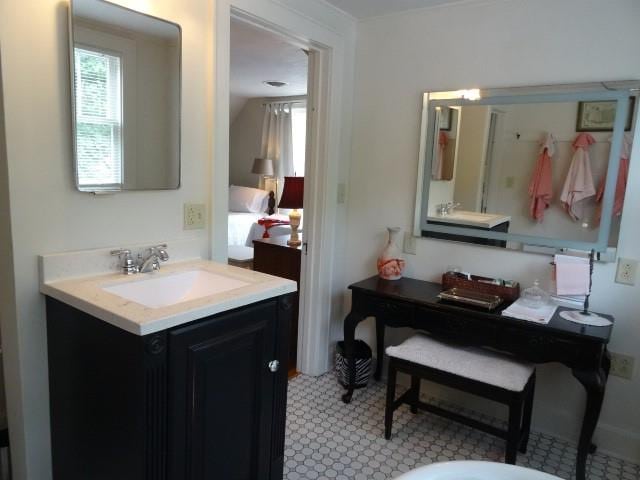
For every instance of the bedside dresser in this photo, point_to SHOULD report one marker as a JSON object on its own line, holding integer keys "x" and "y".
{"x": 275, "y": 257}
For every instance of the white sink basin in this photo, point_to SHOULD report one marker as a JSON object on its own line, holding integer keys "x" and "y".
{"x": 165, "y": 290}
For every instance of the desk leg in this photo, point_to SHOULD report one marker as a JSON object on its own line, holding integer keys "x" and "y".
{"x": 350, "y": 323}
{"x": 379, "y": 348}
{"x": 594, "y": 382}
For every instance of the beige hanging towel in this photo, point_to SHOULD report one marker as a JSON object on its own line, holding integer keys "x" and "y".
{"x": 579, "y": 183}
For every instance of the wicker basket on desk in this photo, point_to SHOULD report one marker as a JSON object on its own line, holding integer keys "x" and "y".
{"x": 510, "y": 294}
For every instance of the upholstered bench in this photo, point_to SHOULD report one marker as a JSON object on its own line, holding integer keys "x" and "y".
{"x": 484, "y": 373}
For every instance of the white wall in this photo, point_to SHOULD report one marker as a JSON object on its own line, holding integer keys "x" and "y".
{"x": 245, "y": 143}
{"x": 49, "y": 215}
{"x": 472, "y": 147}
{"x": 491, "y": 44}
{"x": 7, "y": 290}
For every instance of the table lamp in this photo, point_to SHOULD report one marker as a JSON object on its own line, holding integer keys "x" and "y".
{"x": 263, "y": 166}
{"x": 292, "y": 197}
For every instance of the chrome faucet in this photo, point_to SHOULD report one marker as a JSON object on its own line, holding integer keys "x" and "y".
{"x": 451, "y": 207}
{"x": 147, "y": 263}
{"x": 444, "y": 209}
{"x": 151, "y": 262}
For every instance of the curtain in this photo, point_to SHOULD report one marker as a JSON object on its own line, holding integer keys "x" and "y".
{"x": 277, "y": 141}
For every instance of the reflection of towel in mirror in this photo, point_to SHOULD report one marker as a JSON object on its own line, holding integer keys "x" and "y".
{"x": 578, "y": 185}
{"x": 438, "y": 161}
{"x": 621, "y": 183}
{"x": 540, "y": 187}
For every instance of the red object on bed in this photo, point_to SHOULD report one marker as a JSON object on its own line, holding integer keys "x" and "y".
{"x": 267, "y": 223}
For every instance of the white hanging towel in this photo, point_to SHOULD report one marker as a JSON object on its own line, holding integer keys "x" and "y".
{"x": 578, "y": 185}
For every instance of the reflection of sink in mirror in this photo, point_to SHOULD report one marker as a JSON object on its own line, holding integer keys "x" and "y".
{"x": 472, "y": 219}
{"x": 158, "y": 290}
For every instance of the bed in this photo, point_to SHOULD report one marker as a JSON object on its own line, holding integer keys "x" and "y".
{"x": 247, "y": 206}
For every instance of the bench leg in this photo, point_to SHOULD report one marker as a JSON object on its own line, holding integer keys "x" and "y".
{"x": 391, "y": 396}
{"x": 513, "y": 432}
{"x": 528, "y": 411}
{"x": 415, "y": 393}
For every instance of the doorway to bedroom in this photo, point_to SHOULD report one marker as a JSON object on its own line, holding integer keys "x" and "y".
{"x": 267, "y": 143}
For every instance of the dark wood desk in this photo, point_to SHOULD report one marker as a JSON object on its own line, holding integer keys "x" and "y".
{"x": 414, "y": 303}
{"x": 273, "y": 256}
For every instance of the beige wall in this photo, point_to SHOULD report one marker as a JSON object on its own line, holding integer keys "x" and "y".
{"x": 49, "y": 215}
{"x": 491, "y": 44}
{"x": 472, "y": 146}
{"x": 245, "y": 143}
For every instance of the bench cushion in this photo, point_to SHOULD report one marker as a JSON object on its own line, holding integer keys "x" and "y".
{"x": 469, "y": 362}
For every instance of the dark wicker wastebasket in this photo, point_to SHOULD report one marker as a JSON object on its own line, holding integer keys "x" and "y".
{"x": 363, "y": 364}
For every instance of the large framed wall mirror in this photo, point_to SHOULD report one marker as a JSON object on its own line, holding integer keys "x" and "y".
{"x": 125, "y": 84}
{"x": 535, "y": 168}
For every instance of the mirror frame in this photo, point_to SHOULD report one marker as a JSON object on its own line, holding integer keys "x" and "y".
{"x": 619, "y": 91}
{"x": 109, "y": 189}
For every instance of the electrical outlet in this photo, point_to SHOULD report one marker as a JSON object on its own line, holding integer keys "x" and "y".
{"x": 193, "y": 216}
{"x": 409, "y": 244}
{"x": 622, "y": 365}
{"x": 626, "y": 272}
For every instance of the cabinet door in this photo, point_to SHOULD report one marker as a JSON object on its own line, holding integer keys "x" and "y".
{"x": 221, "y": 396}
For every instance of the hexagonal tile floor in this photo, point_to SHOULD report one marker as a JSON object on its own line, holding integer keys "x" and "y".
{"x": 327, "y": 439}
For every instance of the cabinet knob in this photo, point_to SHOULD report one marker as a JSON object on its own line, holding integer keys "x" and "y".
{"x": 274, "y": 366}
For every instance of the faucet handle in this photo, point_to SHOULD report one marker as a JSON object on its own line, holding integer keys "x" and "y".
{"x": 161, "y": 251}
{"x": 129, "y": 267}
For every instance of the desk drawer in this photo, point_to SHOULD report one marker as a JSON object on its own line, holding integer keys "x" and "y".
{"x": 456, "y": 327}
{"x": 390, "y": 310}
{"x": 542, "y": 347}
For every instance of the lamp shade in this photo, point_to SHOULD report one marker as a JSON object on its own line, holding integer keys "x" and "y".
{"x": 262, "y": 166}
{"x": 293, "y": 193}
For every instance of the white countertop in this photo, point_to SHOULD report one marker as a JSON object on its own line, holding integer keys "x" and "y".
{"x": 87, "y": 294}
{"x": 471, "y": 219}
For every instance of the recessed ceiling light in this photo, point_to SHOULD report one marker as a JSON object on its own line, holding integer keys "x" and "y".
{"x": 274, "y": 83}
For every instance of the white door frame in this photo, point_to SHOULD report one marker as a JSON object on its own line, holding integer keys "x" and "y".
{"x": 324, "y": 148}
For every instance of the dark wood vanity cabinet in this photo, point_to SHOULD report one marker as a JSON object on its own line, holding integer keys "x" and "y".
{"x": 200, "y": 401}
{"x": 501, "y": 227}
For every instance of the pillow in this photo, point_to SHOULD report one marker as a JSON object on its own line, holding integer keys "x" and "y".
{"x": 247, "y": 199}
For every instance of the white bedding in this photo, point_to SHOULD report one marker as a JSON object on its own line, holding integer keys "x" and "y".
{"x": 244, "y": 228}
{"x": 240, "y": 224}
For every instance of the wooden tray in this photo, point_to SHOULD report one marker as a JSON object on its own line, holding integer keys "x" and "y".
{"x": 506, "y": 293}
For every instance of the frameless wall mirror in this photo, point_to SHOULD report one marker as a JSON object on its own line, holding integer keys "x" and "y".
{"x": 125, "y": 84}
{"x": 526, "y": 167}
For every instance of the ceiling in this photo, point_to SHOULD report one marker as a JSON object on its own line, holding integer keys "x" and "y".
{"x": 374, "y": 8}
{"x": 258, "y": 56}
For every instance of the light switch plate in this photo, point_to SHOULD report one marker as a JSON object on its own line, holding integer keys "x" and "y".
{"x": 626, "y": 272}
{"x": 509, "y": 182}
{"x": 409, "y": 244}
{"x": 194, "y": 214}
{"x": 341, "y": 193}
